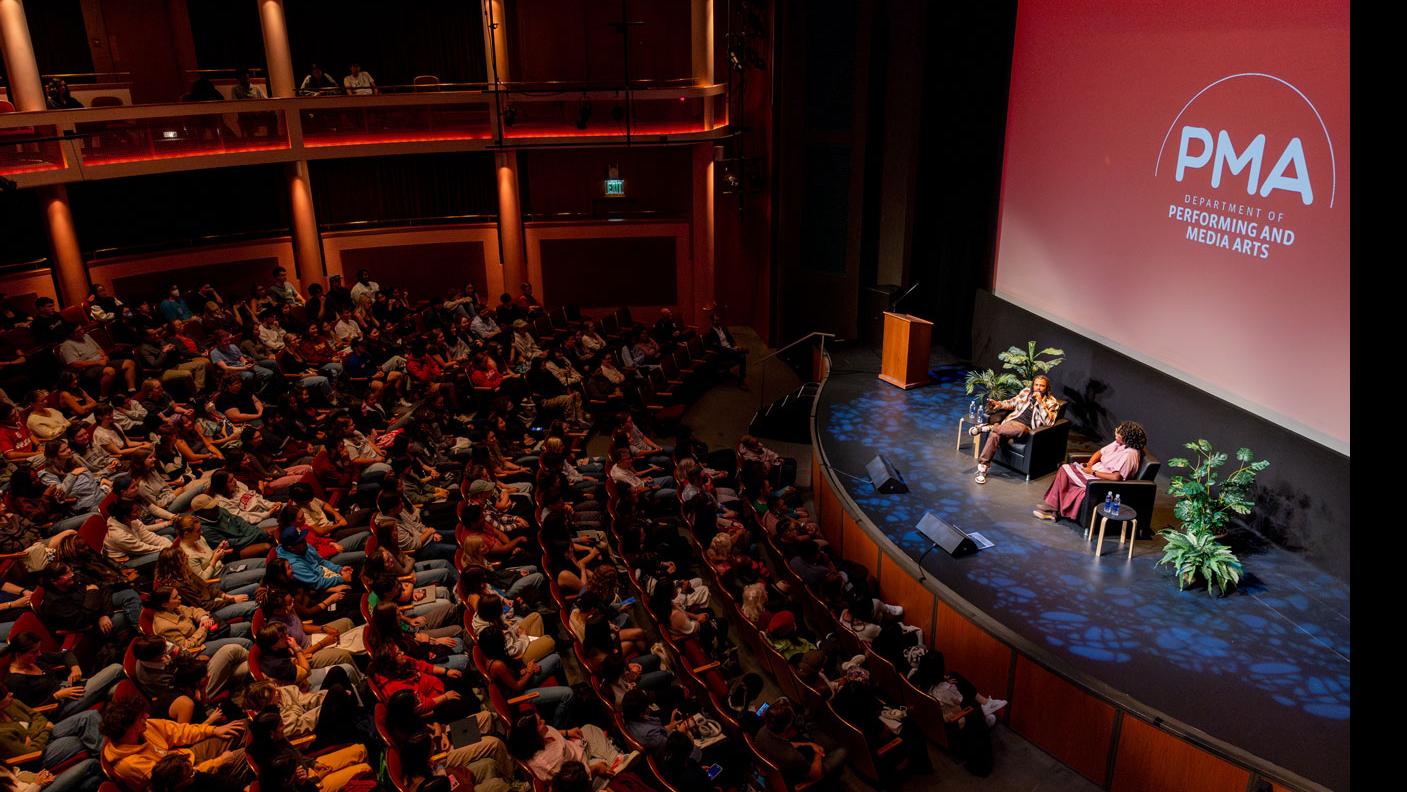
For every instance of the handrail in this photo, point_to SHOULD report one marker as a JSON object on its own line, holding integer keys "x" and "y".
{"x": 762, "y": 386}
{"x": 811, "y": 334}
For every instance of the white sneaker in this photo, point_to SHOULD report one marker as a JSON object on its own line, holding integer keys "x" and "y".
{"x": 993, "y": 705}
{"x": 977, "y": 430}
{"x": 981, "y": 474}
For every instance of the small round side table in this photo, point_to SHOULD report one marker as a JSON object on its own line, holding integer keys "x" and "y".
{"x": 1127, "y": 518}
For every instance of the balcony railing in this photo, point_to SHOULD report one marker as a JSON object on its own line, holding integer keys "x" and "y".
{"x": 55, "y": 146}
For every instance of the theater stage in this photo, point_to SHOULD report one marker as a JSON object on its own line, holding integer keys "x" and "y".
{"x": 1260, "y": 676}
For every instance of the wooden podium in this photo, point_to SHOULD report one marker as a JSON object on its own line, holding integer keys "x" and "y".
{"x": 905, "y": 359}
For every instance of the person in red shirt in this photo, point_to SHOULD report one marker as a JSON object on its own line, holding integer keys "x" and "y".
{"x": 393, "y": 670}
{"x": 15, "y": 441}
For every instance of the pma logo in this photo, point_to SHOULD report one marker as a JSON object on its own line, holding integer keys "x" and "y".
{"x": 1251, "y": 135}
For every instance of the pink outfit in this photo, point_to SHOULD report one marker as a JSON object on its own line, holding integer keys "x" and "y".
{"x": 1067, "y": 492}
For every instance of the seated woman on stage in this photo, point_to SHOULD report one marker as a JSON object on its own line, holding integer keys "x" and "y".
{"x": 1031, "y": 409}
{"x": 1114, "y": 462}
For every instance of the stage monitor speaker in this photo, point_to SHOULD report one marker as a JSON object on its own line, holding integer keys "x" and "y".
{"x": 947, "y": 536}
{"x": 885, "y": 476}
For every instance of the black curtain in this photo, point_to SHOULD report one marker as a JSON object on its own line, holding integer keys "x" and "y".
{"x": 174, "y": 210}
{"x": 389, "y": 190}
{"x": 395, "y": 42}
{"x": 60, "y": 40}
{"x": 226, "y": 35}
{"x": 966, "y": 81}
{"x": 22, "y": 234}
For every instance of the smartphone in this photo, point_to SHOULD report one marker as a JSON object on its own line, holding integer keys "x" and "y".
{"x": 714, "y": 771}
{"x": 762, "y": 710}
{"x": 627, "y": 602}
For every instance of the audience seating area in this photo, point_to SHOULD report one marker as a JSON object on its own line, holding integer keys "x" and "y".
{"x": 309, "y": 533}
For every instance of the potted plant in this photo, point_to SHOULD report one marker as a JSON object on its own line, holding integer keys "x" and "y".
{"x": 989, "y": 385}
{"x": 1205, "y": 504}
{"x": 1027, "y": 363}
{"x": 1199, "y": 556}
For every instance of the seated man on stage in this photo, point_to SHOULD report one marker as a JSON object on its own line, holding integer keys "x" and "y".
{"x": 1031, "y": 409}
{"x": 1114, "y": 462}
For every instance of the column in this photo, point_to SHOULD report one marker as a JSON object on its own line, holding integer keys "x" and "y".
{"x": 510, "y": 224}
{"x": 495, "y": 41}
{"x": 27, "y": 95}
{"x": 69, "y": 269}
{"x": 26, "y": 88}
{"x": 307, "y": 245}
{"x": 702, "y": 232}
{"x": 701, "y": 30}
{"x": 276, "y": 53}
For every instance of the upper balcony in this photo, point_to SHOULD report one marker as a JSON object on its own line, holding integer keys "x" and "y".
{"x": 57, "y": 146}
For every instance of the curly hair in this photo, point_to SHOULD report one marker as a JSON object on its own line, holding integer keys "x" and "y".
{"x": 1133, "y": 434}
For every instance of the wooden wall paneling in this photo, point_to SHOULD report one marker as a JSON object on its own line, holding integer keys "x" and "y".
{"x": 1151, "y": 760}
{"x": 831, "y": 512}
{"x": 535, "y": 232}
{"x": 22, "y": 289}
{"x": 899, "y": 587}
{"x": 1061, "y": 719}
{"x": 973, "y": 652}
{"x": 485, "y": 266}
{"x": 209, "y": 264}
{"x": 859, "y": 547}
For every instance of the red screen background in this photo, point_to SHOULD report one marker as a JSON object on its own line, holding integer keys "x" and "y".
{"x": 1100, "y": 92}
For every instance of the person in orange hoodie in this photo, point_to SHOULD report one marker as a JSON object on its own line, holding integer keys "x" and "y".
{"x": 136, "y": 742}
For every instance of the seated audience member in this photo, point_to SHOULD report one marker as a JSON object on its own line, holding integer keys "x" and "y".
{"x": 969, "y": 737}
{"x": 280, "y": 763}
{"x": 516, "y": 677}
{"x": 38, "y": 678}
{"x": 175, "y": 773}
{"x": 24, "y": 731}
{"x": 718, "y": 338}
{"x": 799, "y": 760}
{"x": 317, "y": 82}
{"x": 1114, "y": 462}
{"x": 358, "y": 82}
{"x": 130, "y": 541}
{"x": 545, "y": 750}
{"x": 82, "y": 354}
{"x": 136, "y": 742}
{"x": 1031, "y": 409}
{"x": 218, "y": 527}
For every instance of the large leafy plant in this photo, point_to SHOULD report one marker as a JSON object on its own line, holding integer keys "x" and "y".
{"x": 996, "y": 386}
{"x": 1195, "y": 554}
{"x": 1026, "y": 363}
{"x": 1205, "y": 503}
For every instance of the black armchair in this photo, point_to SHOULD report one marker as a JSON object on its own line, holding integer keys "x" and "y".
{"x": 1138, "y": 492}
{"x": 1038, "y": 453}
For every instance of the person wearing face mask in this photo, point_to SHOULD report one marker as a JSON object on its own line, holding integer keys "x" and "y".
{"x": 174, "y": 306}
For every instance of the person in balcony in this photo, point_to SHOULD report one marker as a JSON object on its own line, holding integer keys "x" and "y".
{"x": 358, "y": 82}
{"x": 57, "y": 97}
{"x": 244, "y": 89}
{"x": 318, "y": 83}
